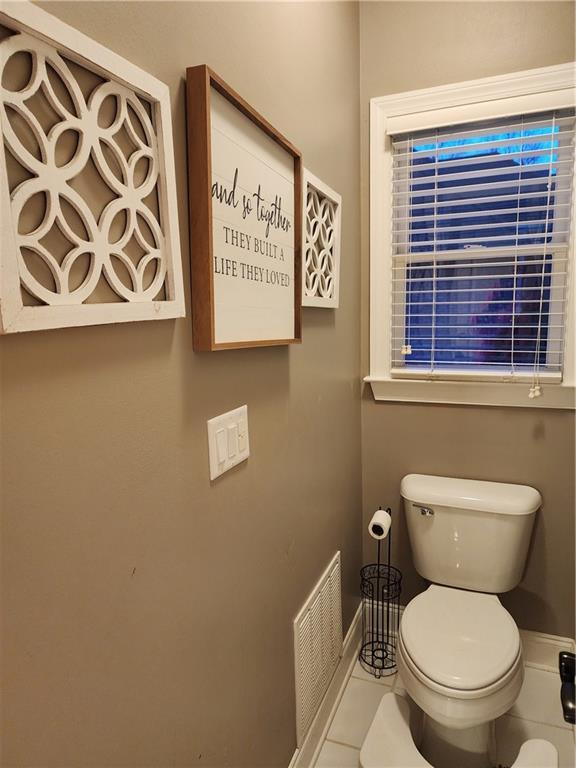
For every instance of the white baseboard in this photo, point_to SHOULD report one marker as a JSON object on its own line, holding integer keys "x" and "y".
{"x": 306, "y": 756}
{"x": 541, "y": 650}
{"x": 292, "y": 762}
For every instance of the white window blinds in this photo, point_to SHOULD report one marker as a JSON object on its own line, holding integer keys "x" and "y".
{"x": 481, "y": 227}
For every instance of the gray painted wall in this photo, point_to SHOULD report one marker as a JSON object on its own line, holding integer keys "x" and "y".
{"x": 148, "y": 613}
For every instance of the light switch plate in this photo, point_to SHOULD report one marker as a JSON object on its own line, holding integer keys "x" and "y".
{"x": 228, "y": 442}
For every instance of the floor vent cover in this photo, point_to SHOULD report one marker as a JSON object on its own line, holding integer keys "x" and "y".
{"x": 317, "y": 645}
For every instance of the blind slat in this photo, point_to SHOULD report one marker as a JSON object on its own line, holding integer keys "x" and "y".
{"x": 453, "y": 327}
{"x": 410, "y": 265}
{"x": 524, "y": 210}
{"x": 458, "y": 339}
{"x": 461, "y": 290}
{"x": 420, "y": 185}
{"x": 485, "y": 365}
{"x": 447, "y": 204}
{"x": 414, "y": 229}
{"x": 495, "y": 240}
{"x": 550, "y": 250}
{"x": 564, "y": 179}
{"x": 399, "y": 311}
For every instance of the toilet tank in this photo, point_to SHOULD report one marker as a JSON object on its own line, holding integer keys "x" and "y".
{"x": 470, "y": 534}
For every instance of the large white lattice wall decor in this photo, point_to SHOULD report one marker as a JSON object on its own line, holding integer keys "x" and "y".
{"x": 321, "y": 242}
{"x": 89, "y": 230}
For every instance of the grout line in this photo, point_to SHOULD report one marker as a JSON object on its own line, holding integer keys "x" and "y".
{"x": 340, "y": 743}
{"x": 374, "y": 682}
{"x": 566, "y": 727}
{"x": 343, "y": 744}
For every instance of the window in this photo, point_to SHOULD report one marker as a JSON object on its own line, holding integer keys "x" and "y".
{"x": 480, "y": 244}
{"x": 471, "y": 245}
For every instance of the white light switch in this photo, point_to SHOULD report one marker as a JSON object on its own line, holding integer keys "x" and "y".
{"x": 221, "y": 446}
{"x": 232, "y": 440}
{"x": 242, "y": 435}
{"x": 228, "y": 440}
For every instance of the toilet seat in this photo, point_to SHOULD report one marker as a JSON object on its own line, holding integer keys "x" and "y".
{"x": 449, "y": 635}
{"x": 465, "y": 643}
{"x": 459, "y": 693}
{"x": 456, "y": 708}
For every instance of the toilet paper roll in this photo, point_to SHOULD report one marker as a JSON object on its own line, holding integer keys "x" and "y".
{"x": 380, "y": 524}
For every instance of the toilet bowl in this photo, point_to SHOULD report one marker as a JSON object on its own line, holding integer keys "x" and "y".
{"x": 460, "y": 657}
{"x": 396, "y": 730}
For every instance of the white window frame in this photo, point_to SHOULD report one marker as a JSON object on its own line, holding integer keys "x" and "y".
{"x": 534, "y": 90}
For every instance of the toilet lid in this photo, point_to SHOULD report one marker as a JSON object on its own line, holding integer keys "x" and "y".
{"x": 463, "y": 640}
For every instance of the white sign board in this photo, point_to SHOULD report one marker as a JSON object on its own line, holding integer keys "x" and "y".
{"x": 253, "y": 229}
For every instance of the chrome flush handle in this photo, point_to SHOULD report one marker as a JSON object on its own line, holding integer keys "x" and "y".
{"x": 426, "y": 511}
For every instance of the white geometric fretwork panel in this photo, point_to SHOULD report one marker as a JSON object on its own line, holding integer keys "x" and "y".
{"x": 87, "y": 184}
{"x": 321, "y": 241}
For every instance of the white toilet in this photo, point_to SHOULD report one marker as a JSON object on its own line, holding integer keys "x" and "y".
{"x": 458, "y": 651}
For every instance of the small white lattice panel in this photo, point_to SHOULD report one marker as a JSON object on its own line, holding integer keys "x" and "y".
{"x": 88, "y": 210}
{"x": 317, "y": 645}
{"x": 321, "y": 243}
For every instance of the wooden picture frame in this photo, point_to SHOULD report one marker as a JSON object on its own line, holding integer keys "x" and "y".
{"x": 245, "y": 205}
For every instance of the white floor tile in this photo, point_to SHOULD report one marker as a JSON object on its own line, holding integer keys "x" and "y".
{"x": 539, "y": 698}
{"x": 512, "y": 732}
{"x": 356, "y": 712}
{"x": 337, "y": 756}
{"x": 360, "y": 673}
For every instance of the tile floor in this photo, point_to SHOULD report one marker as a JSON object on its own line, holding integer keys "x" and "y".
{"x": 536, "y": 714}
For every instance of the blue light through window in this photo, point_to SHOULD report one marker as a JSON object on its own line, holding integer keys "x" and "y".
{"x": 475, "y": 314}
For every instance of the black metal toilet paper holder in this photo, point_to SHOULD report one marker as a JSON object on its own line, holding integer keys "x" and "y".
{"x": 380, "y": 586}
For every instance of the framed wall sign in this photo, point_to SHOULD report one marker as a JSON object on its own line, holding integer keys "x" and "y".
{"x": 245, "y": 188}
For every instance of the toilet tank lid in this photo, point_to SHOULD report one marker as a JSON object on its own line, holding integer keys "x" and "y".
{"x": 478, "y": 495}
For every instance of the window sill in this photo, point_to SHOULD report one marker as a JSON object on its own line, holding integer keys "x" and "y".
{"x": 511, "y": 394}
